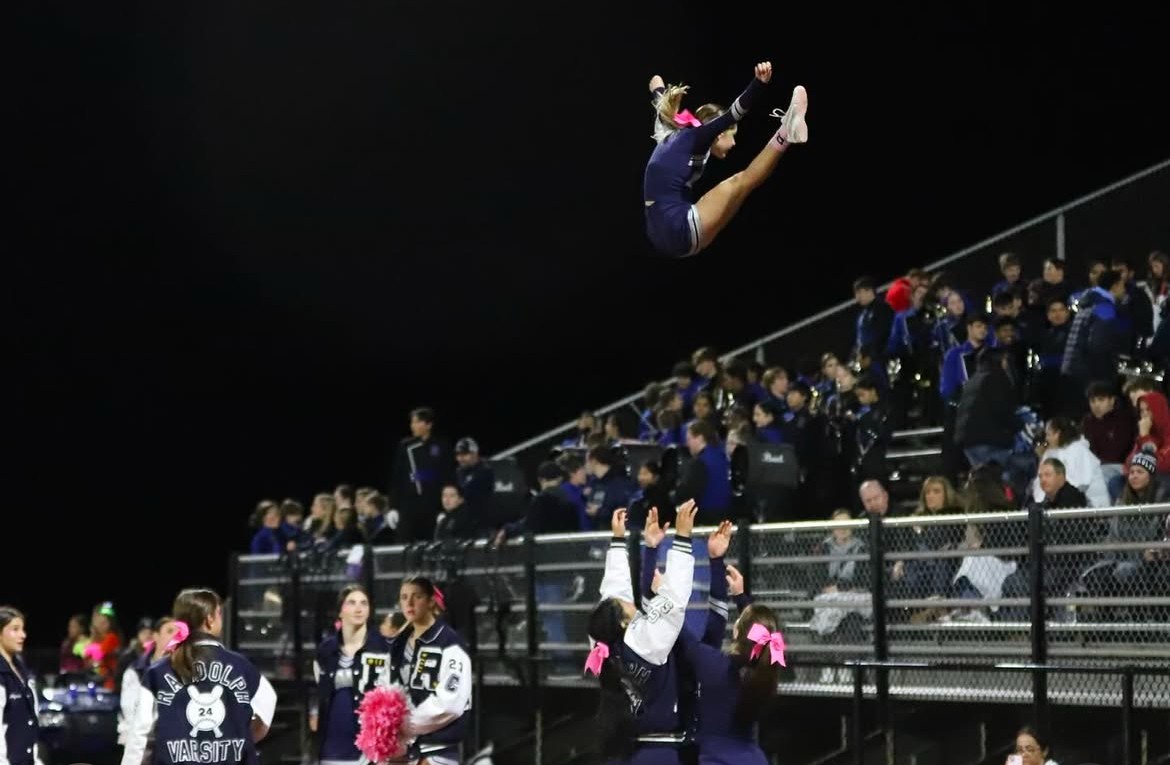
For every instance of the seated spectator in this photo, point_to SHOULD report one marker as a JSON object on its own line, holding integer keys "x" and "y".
{"x": 1082, "y": 468}
{"x": 686, "y": 383}
{"x": 671, "y": 431}
{"x": 387, "y": 533}
{"x": 843, "y": 603}
{"x": 704, "y": 409}
{"x": 1055, "y": 285}
{"x": 456, "y": 521}
{"x": 1031, "y": 748}
{"x": 929, "y": 577}
{"x": 267, "y": 540}
{"x": 766, "y": 416}
{"x": 1110, "y": 432}
{"x": 1127, "y": 573}
{"x": 320, "y": 521}
{"x": 1153, "y": 425}
{"x": 550, "y": 511}
{"x": 348, "y": 532}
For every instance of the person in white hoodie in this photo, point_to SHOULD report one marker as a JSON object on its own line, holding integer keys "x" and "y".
{"x": 1082, "y": 468}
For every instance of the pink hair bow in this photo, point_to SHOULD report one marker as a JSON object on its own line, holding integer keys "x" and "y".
{"x": 596, "y": 658}
{"x": 685, "y": 119}
{"x": 774, "y": 640}
{"x": 440, "y": 601}
{"x": 337, "y": 626}
{"x": 182, "y": 631}
{"x": 148, "y": 647}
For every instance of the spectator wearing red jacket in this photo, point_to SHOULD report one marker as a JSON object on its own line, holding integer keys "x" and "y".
{"x": 900, "y": 296}
{"x": 1153, "y": 425}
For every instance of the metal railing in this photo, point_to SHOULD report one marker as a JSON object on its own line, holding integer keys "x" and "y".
{"x": 1151, "y": 213}
{"x": 1086, "y": 586}
{"x": 887, "y": 673}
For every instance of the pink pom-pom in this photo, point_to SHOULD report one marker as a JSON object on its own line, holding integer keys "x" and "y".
{"x": 93, "y": 652}
{"x": 382, "y": 717}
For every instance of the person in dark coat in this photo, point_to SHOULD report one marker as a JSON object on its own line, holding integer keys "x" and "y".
{"x": 422, "y": 466}
{"x": 985, "y": 424}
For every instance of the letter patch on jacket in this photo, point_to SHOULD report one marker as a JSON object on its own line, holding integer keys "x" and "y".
{"x": 426, "y": 669}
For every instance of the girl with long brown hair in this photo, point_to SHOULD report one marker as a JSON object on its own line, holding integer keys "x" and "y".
{"x": 206, "y": 703}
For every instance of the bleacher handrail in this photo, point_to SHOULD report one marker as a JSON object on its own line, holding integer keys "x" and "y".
{"x": 755, "y": 345}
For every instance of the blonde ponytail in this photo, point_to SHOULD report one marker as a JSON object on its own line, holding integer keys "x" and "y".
{"x": 669, "y": 104}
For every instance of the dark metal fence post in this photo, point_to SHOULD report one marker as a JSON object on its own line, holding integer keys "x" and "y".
{"x": 234, "y": 601}
{"x": 634, "y": 554}
{"x": 1127, "y": 717}
{"x": 881, "y": 648}
{"x": 534, "y": 679}
{"x": 298, "y": 639}
{"x": 858, "y": 742}
{"x": 744, "y": 554}
{"x": 1039, "y": 616}
{"x": 369, "y": 580}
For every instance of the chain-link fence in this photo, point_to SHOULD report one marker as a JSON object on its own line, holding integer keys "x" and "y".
{"x": 817, "y": 577}
{"x": 930, "y": 589}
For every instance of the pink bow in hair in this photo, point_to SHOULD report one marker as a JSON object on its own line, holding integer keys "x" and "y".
{"x": 182, "y": 631}
{"x": 337, "y": 626}
{"x": 440, "y": 601}
{"x": 686, "y": 119}
{"x": 596, "y": 658}
{"x": 148, "y": 647}
{"x": 774, "y": 640}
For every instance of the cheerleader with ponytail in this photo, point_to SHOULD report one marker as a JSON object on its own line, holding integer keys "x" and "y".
{"x": 676, "y": 225}
{"x": 735, "y": 685}
{"x": 632, "y": 651}
{"x": 207, "y": 704}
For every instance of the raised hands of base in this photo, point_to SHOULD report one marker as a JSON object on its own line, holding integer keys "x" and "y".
{"x": 684, "y": 520}
{"x": 618, "y": 523}
{"x": 653, "y": 534}
{"x": 719, "y": 541}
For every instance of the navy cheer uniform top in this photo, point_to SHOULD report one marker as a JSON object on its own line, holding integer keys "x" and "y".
{"x": 722, "y": 739}
{"x": 342, "y": 681}
{"x": 436, "y": 674}
{"x": 648, "y": 668}
{"x": 18, "y": 714}
{"x": 208, "y": 721}
{"x": 675, "y": 165}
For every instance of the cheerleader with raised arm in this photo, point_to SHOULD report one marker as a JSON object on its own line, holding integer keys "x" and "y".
{"x": 632, "y": 650}
{"x": 735, "y": 685}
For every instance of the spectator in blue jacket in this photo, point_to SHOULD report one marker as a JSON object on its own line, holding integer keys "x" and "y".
{"x": 608, "y": 488}
{"x": 959, "y": 361}
{"x": 1094, "y": 342}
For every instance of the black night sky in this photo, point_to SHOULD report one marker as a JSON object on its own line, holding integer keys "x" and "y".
{"x": 245, "y": 238}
